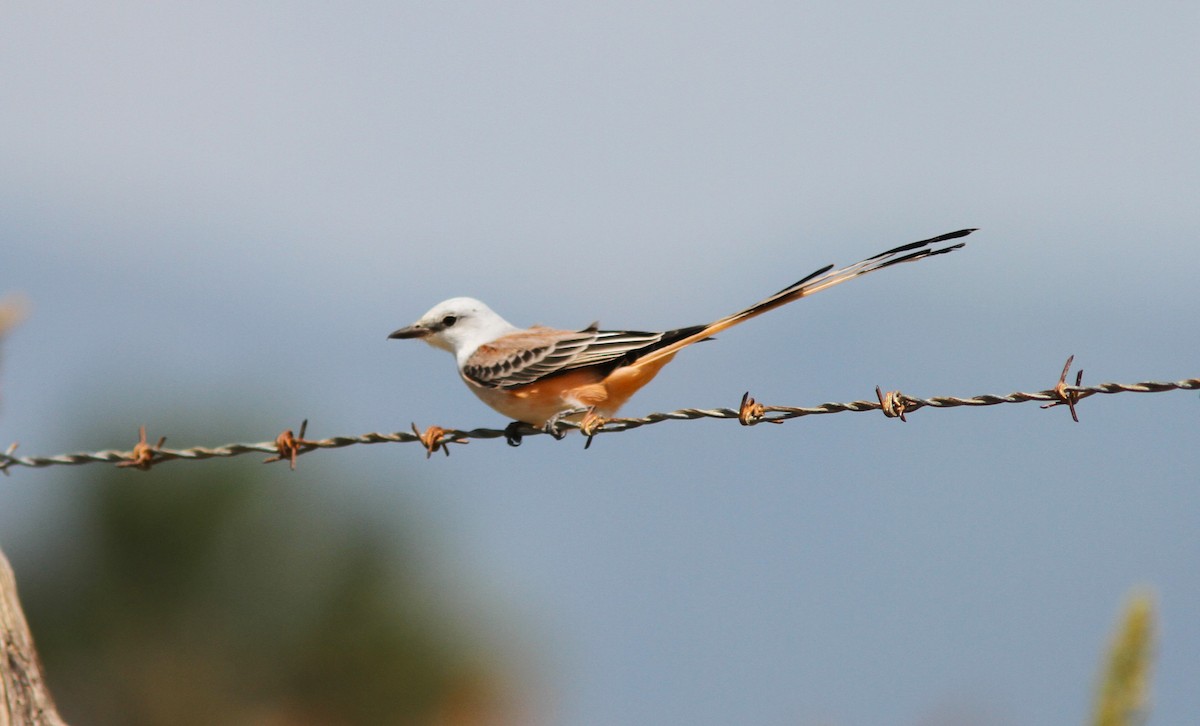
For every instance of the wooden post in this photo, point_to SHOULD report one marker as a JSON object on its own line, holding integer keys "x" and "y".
{"x": 24, "y": 698}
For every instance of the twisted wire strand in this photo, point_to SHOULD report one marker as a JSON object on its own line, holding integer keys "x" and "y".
{"x": 1063, "y": 394}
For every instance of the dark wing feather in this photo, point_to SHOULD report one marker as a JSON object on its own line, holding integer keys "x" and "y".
{"x": 525, "y": 357}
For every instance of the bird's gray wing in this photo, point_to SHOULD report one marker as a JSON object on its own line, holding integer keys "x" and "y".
{"x": 530, "y": 355}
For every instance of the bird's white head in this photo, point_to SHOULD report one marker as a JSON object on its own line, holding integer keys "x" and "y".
{"x": 459, "y": 325}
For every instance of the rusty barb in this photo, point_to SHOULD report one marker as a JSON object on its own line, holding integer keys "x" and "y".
{"x": 434, "y": 438}
{"x": 752, "y": 412}
{"x": 893, "y": 403}
{"x": 288, "y": 446}
{"x": 142, "y": 456}
{"x": 1067, "y": 396}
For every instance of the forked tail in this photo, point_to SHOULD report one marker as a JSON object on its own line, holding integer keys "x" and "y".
{"x": 821, "y": 279}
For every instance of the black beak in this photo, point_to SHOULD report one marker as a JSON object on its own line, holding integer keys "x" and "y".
{"x": 412, "y": 331}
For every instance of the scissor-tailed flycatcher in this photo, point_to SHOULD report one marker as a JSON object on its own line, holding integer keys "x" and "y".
{"x": 542, "y": 375}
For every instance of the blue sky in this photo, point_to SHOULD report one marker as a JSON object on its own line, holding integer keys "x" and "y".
{"x": 213, "y": 202}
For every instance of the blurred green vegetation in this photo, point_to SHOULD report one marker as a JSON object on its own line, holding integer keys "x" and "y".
{"x": 225, "y": 593}
{"x": 1124, "y": 694}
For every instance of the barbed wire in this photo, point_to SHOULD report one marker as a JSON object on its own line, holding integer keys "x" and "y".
{"x": 287, "y": 446}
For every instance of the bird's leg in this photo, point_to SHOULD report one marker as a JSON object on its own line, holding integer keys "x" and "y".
{"x": 591, "y": 424}
{"x": 551, "y": 425}
{"x": 512, "y": 433}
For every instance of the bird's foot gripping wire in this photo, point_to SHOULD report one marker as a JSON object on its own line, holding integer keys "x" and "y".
{"x": 512, "y": 433}
{"x": 590, "y": 425}
{"x": 515, "y": 431}
{"x": 552, "y": 424}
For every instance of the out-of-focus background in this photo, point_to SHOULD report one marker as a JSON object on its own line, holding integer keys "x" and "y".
{"x": 217, "y": 212}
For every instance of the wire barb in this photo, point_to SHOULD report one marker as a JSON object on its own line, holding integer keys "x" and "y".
{"x": 434, "y": 438}
{"x": 1068, "y": 397}
{"x": 290, "y": 446}
{"x": 142, "y": 456}
{"x": 752, "y": 412}
{"x": 893, "y": 403}
{"x": 12, "y": 448}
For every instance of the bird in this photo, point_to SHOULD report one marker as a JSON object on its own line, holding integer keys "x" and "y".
{"x": 543, "y": 376}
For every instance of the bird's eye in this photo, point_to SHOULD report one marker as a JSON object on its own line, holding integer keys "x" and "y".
{"x": 449, "y": 320}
